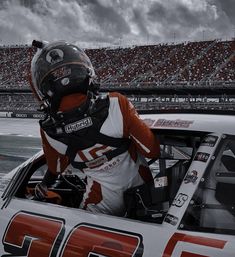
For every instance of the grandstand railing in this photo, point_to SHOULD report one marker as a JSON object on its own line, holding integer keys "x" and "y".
{"x": 182, "y": 88}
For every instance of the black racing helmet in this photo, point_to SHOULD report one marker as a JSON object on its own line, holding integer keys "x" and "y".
{"x": 59, "y": 69}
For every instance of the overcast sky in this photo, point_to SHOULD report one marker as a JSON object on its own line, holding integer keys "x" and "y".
{"x": 93, "y": 23}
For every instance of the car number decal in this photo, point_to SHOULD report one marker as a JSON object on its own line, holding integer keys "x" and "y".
{"x": 198, "y": 240}
{"x": 99, "y": 241}
{"x": 27, "y": 235}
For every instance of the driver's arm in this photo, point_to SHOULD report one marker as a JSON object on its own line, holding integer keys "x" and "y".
{"x": 42, "y": 187}
{"x": 135, "y": 128}
{"x": 49, "y": 178}
{"x": 56, "y": 159}
{"x": 56, "y": 163}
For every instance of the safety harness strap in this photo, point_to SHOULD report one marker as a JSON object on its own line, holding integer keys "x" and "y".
{"x": 103, "y": 158}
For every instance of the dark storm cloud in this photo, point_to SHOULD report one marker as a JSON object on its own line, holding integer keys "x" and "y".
{"x": 228, "y": 6}
{"x": 176, "y": 14}
{"x": 108, "y": 19}
{"x": 95, "y": 22}
{"x": 189, "y": 21}
{"x": 139, "y": 20}
{"x": 177, "y": 21}
{"x": 157, "y": 12}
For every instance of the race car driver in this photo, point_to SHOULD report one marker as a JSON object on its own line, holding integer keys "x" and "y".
{"x": 100, "y": 134}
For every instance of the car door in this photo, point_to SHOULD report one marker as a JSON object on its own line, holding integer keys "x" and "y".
{"x": 34, "y": 228}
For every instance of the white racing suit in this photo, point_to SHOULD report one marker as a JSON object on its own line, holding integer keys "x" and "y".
{"x": 107, "y": 182}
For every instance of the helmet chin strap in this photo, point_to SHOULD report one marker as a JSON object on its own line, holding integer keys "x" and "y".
{"x": 91, "y": 98}
{"x": 44, "y": 106}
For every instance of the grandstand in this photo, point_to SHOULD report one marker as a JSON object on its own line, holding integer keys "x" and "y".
{"x": 198, "y": 75}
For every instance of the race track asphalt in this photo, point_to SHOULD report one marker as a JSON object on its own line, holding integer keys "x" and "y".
{"x": 19, "y": 140}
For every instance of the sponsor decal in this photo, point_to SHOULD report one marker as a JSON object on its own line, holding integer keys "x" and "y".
{"x": 209, "y": 141}
{"x": 201, "y": 157}
{"x": 61, "y": 72}
{"x": 78, "y": 125}
{"x": 54, "y": 56}
{"x": 160, "y": 181}
{"x": 149, "y": 122}
{"x": 21, "y": 115}
{"x": 38, "y": 116}
{"x": 191, "y": 177}
{"x": 97, "y": 162}
{"x": 180, "y": 200}
{"x": 173, "y": 123}
{"x": 171, "y": 219}
{"x": 110, "y": 165}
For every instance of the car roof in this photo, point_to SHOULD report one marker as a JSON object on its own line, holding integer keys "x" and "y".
{"x": 212, "y": 123}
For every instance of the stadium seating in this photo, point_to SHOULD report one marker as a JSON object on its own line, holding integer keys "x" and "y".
{"x": 188, "y": 63}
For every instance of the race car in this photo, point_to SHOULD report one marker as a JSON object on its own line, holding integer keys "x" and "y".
{"x": 188, "y": 212}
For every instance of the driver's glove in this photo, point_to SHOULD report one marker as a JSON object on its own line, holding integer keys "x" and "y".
{"x": 40, "y": 191}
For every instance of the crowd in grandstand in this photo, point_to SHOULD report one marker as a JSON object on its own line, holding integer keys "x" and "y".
{"x": 17, "y": 102}
{"x": 188, "y": 63}
{"x": 14, "y": 67}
